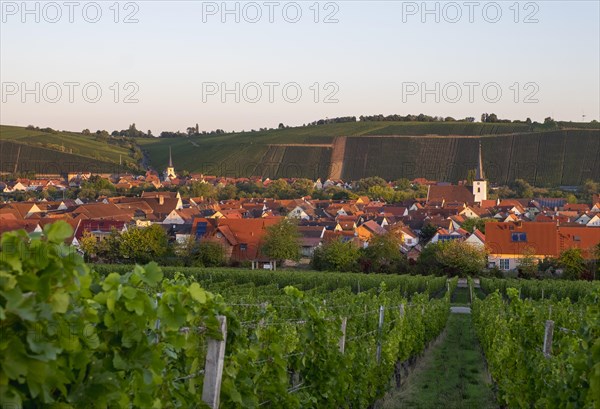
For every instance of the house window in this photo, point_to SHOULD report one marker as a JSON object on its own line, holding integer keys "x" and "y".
{"x": 447, "y": 237}
{"x": 518, "y": 237}
{"x": 504, "y": 264}
{"x": 478, "y": 190}
{"x": 576, "y": 238}
{"x": 243, "y": 247}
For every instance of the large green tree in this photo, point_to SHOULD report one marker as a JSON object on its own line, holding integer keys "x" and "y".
{"x": 572, "y": 263}
{"x": 206, "y": 190}
{"x": 528, "y": 265}
{"x": 144, "y": 244}
{"x": 453, "y": 258}
{"x": 477, "y": 223}
{"x": 383, "y": 255}
{"x": 364, "y": 184}
{"x": 523, "y": 189}
{"x": 280, "y": 189}
{"x": 427, "y": 232}
{"x": 211, "y": 254}
{"x": 303, "y": 187}
{"x": 282, "y": 241}
{"x": 336, "y": 255}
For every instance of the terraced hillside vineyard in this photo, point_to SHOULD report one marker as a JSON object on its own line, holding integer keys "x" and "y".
{"x": 443, "y": 151}
{"x": 27, "y": 158}
{"x": 439, "y": 151}
{"x": 542, "y": 158}
{"x": 31, "y": 150}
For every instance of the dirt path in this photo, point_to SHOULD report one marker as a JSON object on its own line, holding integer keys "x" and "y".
{"x": 337, "y": 158}
{"x": 451, "y": 375}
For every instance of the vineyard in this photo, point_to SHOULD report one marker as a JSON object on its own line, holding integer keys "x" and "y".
{"x": 138, "y": 337}
{"x": 48, "y": 161}
{"x": 443, "y": 151}
{"x": 543, "y": 351}
{"x": 583, "y": 291}
{"x": 542, "y": 158}
{"x": 452, "y": 128}
{"x": 58, "y": 152}
{"x": 292, "y": 161}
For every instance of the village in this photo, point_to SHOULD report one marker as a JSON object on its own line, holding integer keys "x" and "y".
{"x": 264, "y": 205}
{"x": 508, "y": 229}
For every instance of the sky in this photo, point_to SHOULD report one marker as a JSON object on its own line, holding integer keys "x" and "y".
{"x": 247, "y": 65}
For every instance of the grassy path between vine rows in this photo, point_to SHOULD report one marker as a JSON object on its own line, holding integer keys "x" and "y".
{"x": 451, "y": 374}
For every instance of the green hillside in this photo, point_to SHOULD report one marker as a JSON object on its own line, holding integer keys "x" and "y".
{"x": 438, "y": 151}
{"x": 33, "y": 159}
{"x": 443, "y": 151}
{"x": 250, "y": 153}
{"x": 542, "y": 158}
{"x": 59, "y": 152}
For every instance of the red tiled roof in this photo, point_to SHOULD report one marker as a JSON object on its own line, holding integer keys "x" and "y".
{"x": 541, "y": 237}
{"x": 10, "y": 225}
{"x": 373, "y": 227}
{"x": 107, "y": 211}
{"x": 104, "y": 226}
{"x": 449, "y": 193}
{"x": 154, "y": 195}
{"x": 584, "y": 238}
{"x": 581, "y": 207}
{"x": 246, "y": 231}
{"x": 479, "y": 235}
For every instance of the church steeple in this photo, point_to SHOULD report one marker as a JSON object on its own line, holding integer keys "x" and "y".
{"x": 171, "y": 159}
{"x": 479, "y": 175}
{"x": 170, "y": 172}
{"x": 479, "y": 184}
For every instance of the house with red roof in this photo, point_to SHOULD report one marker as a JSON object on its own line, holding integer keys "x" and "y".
{"x": 242, "y": 238}
{"x": 368, "y": 229}
{"x": 442, "y": 193}
{"x": 508, "y": 243}
{"x": 476, "y": 239}
{"x": 99, "y": 229}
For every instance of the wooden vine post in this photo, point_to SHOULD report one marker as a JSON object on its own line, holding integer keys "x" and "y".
{"x": 342, "y": 343}
{"x": 380, "y": 332}
{"x": 213, "y": 368}
{"x": 549, "y": 330}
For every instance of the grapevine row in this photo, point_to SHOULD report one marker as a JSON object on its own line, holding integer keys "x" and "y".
{"x": 512, "y": 333}
{"x": 537, "y": 289}
{"x": 136, "y": 339}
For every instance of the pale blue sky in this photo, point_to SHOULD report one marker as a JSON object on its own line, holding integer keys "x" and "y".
{"x": 369, "y": 54}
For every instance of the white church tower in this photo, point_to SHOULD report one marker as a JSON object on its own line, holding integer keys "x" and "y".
{"x": 479, "y": 184}
{"x": 170, "y": 172}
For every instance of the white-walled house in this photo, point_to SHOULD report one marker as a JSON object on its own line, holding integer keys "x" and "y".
{"x": 476, "y": 239}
